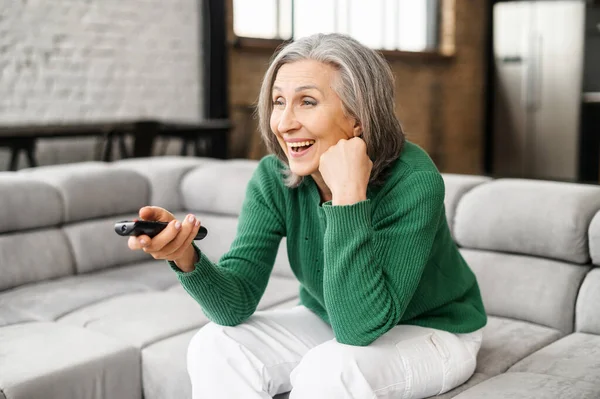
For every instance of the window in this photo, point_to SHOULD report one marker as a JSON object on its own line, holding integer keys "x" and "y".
{"x": 406, "y": 25}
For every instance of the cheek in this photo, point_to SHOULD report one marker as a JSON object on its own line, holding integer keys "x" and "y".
{"x": 273, "y": 122}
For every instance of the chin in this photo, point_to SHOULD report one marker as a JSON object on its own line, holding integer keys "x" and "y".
{"x": 302, "y": 170}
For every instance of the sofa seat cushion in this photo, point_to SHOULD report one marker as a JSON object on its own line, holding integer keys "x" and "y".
{"x": 140, "y": 318}
{"x": 476, "y": 378}
{"x": 49, "y": 300}
{"x": 50, "y": 360}
{"x": 507, "y": 341}
{"x": 146, "y": 317}
{"x": 155, "y": 275}
{"x": 531, "y": 386}
{"x": 164, "y": 368}
{"x": 575, "y": 356}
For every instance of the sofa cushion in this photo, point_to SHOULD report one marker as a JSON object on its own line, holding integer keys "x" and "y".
{"x": 62, "y": 169}
{"x": 527, "y": 288}
{"x": 456, "y": 187}
{"x": 588, "y": 304}
{"x": 96, "y": 246}
{"x": 531, "y": 386}
{"x": 140, "y": 318}
{"x": 476, "y": 378}
{"x": 164, "y": 368}
{"x": 547, "y": 219}
{"x": 95, "y": 191}
{"x": 49, "y": 300}
{"x": 165, "y": 175}
{"x": 156, "y": 275}
{"x": 143, "y": 318}
{"x": 506, "y": 341}
{"x": 33, "y": 256}
{"x": 576, "y": 356}
{"x": 217, "y": 188}
{"x": 28, "y": 204}
{"x": 594, "y": 238}
{"x": 49, "y": 360}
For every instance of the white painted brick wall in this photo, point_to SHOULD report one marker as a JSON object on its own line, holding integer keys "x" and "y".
{"x": 93, "y": 60}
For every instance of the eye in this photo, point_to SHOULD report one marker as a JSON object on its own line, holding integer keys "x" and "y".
{"x": 309, "y": 101}
{"x": 278, "y": 102}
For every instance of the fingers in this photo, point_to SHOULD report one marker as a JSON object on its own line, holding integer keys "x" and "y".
{"x": 172, "y": 241}
{"x": 185, "y": 245}
{"x": 179, "y": 245}
{"x": 157, "y": 243}
{"x": 136, "y": 243}
{"x": 156, "y": 213}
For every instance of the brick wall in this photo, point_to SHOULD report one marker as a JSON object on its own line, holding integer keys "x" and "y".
{"x": 74, "y": 60}
{"x": 440, "y": 103}
{"x": 67, "y": 61}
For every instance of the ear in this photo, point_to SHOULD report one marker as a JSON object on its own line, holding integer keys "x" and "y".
{"x": 357, "y": 129}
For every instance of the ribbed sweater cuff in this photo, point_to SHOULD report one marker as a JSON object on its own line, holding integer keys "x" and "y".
{"x": 346, "y": 219}
{"x": 200, "y": 266}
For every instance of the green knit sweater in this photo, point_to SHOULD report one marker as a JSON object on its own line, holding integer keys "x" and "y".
{"x": 363, "y": 268}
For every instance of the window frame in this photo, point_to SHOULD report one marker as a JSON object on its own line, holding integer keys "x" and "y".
{"x": 439, "y": 27}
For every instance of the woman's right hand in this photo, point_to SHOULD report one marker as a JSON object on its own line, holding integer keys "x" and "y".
{"x": 174, "y": 243}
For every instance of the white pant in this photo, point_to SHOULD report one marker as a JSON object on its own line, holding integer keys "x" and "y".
{"x": 277, "y": 350}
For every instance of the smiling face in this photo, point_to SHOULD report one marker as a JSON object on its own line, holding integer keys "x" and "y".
{"x": 308, "y": 115}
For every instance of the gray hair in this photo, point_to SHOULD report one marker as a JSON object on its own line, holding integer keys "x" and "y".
{"x": 365, "y": 86}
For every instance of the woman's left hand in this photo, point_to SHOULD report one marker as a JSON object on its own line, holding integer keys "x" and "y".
{"x": 346, "y": 169}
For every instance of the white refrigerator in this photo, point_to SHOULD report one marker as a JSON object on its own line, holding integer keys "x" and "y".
{"x": 538, "y": 62}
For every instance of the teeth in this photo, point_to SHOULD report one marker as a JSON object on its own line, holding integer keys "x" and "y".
{"x": 301, "y": 143}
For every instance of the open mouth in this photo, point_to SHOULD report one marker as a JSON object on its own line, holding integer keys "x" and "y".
{"x": 300, "y": 146}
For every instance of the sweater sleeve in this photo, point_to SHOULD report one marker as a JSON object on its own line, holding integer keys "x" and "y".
{"x": 373, "y": 264}
{"x": 230, "y": 290}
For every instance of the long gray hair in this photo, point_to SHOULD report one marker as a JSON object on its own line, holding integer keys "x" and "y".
{"x": 365, "y": 86}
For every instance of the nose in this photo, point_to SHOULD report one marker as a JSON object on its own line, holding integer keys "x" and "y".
{"x": 288, "y": 121}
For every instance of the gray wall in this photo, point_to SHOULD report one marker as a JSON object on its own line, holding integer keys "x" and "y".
{"x": 92, "y": 60}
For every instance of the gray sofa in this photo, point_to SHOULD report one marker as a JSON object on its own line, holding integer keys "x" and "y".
{"x": 82, "y": 316}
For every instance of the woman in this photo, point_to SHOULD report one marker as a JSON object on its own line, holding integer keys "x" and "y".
{"x": 389, "y": 308}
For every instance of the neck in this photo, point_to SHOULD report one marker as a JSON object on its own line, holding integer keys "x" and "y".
{"x": 324, "y": 191}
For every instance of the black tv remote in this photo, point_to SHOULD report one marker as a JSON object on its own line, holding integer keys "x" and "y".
{"x": 149, "y": 228}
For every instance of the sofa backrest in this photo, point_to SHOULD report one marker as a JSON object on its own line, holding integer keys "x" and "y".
{"x": 164, "y": 175}
{"x": 587, "y": 318}
{"x": 93, "y": 197}
{"x": 456, "y": 187}
{"x": 527, "y": 242}
{"x": 32, "y": 246}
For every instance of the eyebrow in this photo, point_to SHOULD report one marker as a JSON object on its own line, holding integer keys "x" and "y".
{"x": 298, "y": 89}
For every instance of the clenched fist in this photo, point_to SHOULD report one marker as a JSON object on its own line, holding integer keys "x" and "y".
{"x": 346, "y": 169}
